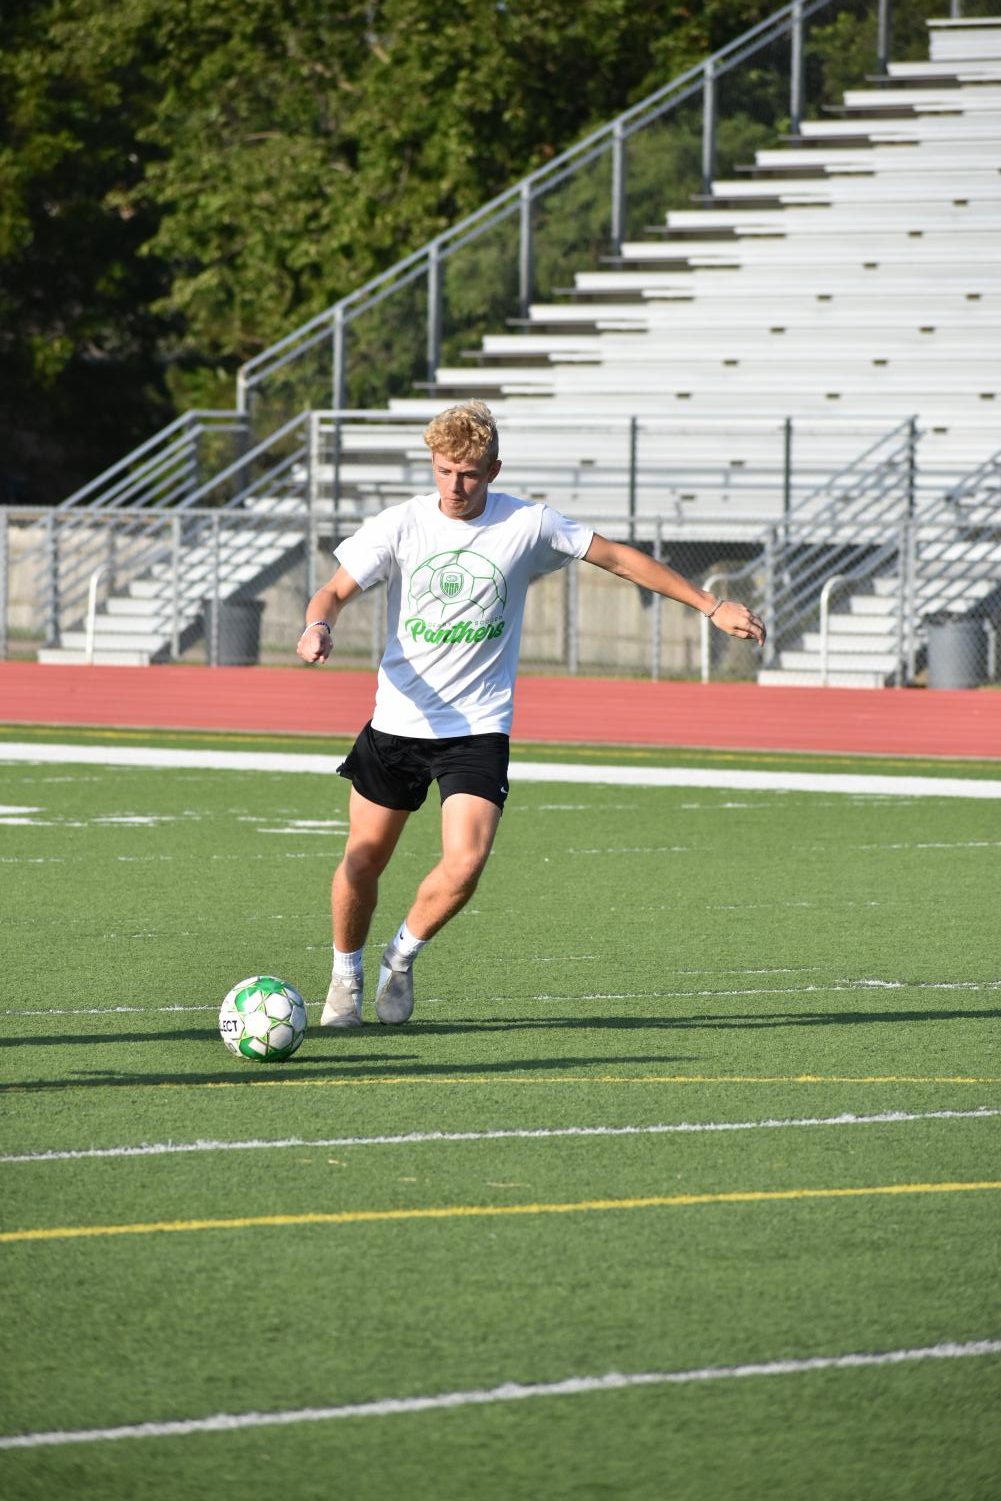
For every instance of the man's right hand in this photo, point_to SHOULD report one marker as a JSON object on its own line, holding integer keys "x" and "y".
{"x": 314, "y": 644}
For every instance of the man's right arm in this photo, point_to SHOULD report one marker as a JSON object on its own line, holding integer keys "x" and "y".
{"x": 321, "y": 616}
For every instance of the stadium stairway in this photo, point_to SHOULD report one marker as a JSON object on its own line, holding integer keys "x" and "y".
{"x": 949, "y": 567}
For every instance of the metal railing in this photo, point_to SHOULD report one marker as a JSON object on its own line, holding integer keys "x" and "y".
{"x": 937, "y": 564}
{"x": 741, "y": 471}
{"x": 631, "y": 468}
{"x": 846, "y": 527}
{"x": 939, "y": 567}
{"x": 119, "y": 535}
{"x": 426, "y": 265}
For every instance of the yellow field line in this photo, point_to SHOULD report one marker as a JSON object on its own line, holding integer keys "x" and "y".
{"x": 482, "y": 1211}
{"x": 477, "y": 1079}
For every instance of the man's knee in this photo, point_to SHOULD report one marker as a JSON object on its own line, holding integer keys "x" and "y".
{"x": 364, "y": 859}
{"x": 463, "y": 869}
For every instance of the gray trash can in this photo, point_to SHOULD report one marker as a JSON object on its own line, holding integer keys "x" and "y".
{"x": 957, "y": 652}
{"x": 239, "y": 631}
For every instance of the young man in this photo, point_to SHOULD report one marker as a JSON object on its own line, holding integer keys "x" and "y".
{"x": 457, "y": 563}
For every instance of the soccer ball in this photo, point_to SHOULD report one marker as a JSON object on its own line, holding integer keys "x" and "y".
{"x": 263, "y": 1018}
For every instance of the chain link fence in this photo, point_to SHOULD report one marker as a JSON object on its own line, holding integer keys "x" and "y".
{"x": 919, "y": 603}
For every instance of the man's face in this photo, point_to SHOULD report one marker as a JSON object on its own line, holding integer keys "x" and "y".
{"x": 462, "y": 485}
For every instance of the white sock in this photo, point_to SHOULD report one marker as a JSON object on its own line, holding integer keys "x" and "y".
{"x": 406, "y": 945}
{"x": 348, "y": 966}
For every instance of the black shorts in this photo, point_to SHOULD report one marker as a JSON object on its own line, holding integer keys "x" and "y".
{"x": 396, "y": 771}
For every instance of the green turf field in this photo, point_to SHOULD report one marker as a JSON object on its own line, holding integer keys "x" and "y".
{"x": 808, "y": 985}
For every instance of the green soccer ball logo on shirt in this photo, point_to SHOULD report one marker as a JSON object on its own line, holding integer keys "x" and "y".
{"x": 458, "y": 578}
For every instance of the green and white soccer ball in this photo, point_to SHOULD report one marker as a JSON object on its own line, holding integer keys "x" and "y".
{"x": 460, "y": 578}
{"x": 263, "y": 1018}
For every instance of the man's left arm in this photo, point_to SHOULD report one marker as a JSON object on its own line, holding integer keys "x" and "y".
{"x": 629, "y": 563}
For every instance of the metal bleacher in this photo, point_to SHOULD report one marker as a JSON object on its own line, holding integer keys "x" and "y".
{"x": 848, "y": 281}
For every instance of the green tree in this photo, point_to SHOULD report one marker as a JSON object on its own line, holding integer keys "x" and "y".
{"x": 78, "y": 337}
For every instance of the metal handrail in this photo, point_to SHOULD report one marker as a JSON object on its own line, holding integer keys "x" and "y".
{"x": 825, "y": 599}
{"x": 124, "y": 467}
{"x": 135, "y": 520}
{"x": 95, "y": 579}
{"x": 611, "y": 137}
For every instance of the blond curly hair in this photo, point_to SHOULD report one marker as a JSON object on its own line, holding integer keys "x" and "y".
{"x": 465, "y": 432}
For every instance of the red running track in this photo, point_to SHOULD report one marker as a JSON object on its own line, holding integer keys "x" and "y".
{"x": 595, "y": 711}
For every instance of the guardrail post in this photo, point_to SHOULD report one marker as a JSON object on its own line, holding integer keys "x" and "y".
{"x": 912, "y": 464}
{"x": 242, "y": 444}
{"x": 434, "y": 311}
{"x": 90, "y": 634}
{"x": 336, "y": 471}
{"x": 339, "y": 381}
{"x": 526, "y": 250}
{"x": 312, "y": 490}
{"x": 708, "y": 127}
{"x": 658, "y": 602}
{"x": 991, "y": 631}
{"x": 4, "y": 579}
{"x": 631, "y": 497}
{"x": 825, "y": 623}
{"x": 618, "y": 187}
{"x": 902, "y": 593}
{"x": 175, "y": 587}
{"x": 216, "y": 569}
{"x": 883, "y": 27}
{"x": 769, "y": 611}
{"x": 912, "y": 599}
{"x": 52, "y": 581}
{"x": 796, "y": 68}
{"x": 111, "y": 562}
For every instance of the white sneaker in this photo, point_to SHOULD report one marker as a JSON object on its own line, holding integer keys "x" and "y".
{"x": 343, "y": 1004}
{"x": 394, "y": 996}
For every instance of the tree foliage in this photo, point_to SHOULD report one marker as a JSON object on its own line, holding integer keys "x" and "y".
{"x": 182, "y": 181}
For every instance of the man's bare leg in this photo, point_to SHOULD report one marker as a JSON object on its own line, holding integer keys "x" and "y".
{"x": 468, "y": 826}
{"x": 373, "y": 834}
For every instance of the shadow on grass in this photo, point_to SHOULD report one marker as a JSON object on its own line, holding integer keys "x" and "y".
{"x": 343, "y": 1067}
{"x": 321, "y": 1069}
{"x": 463, "y": 1027}
{"x": 740, "y": 1022}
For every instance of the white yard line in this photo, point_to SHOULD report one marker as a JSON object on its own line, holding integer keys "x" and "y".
{"x": 521, "y": 771}
{"x": 512, "y": 1391}
{"x": 419, "y": 1138}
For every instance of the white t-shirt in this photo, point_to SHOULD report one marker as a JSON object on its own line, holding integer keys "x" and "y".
{"x": 456, "y": 598}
